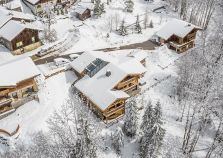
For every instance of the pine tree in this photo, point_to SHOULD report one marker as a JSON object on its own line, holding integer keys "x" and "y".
{"x": 102, "y": 7}
{"x": 85, "y": 144}
{"x": 97, "y": 8}
{"x": 129, "y": 5}
{"x": 153, "y": 132}
{"x": 146, "y": 20}
{"x": 157, "y": 131}
{"x": 118, "y": 140}
{"x": 131, "y": 118}
{"x": 146, "y": 126}
{"x": 147, "y": 117}
{"x": 137, "y": 25}
{"x": 151, "y": 24}
{"x": 122, "y": 30}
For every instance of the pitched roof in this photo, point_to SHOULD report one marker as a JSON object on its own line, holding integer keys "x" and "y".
{"x": 16, "y": 71}
{"x": 176, "y": 27}
{"x": 33, "y": 1}
{"x": 80, "y": 10}
{"x": 4, "y": 19}
{"x": 16, "y": 14}
{"x": 13, "y": 28}
{"x": 99, "y": 87}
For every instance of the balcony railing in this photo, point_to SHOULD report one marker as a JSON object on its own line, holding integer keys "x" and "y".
{"x": 5, "y": 101}
{"x": 122, "y": 84}
{"x": 176, "y": 45}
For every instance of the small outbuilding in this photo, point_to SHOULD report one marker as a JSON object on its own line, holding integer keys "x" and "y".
{"x": 83, "y": 13}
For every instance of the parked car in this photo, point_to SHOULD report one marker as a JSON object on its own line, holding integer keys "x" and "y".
{"x": 42, "y": 52}
{"x": 61, "y": 61}
{"x": 73, "y": 56}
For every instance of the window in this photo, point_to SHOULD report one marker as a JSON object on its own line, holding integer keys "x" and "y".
{"x": 33, "y": 39}
{"x": 19, "y": 44}
{"x": 14, "y": 95}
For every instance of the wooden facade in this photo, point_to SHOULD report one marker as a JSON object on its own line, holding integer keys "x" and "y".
{"x": 38, "y": 7}
{"x": 85, "y": 15}
{"x": 26, "y": 41}
{"x": 181, "y": 44}
{"x": 130, "y": 85}
{"x": 10, "y": 95}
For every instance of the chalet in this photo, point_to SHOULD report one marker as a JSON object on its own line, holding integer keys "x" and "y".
{"x": 178, "y": 35}
{"x": 83, "y": 10}
{"x": 19, "y": 37}
{"x": 105, "y": 82}
{"x": 15, "y": 15}
{"x": 83, "y": 13}
{"x": 17, "y": 84}
{"x": 37, "y": 6}
{"x": 14, "y": 5}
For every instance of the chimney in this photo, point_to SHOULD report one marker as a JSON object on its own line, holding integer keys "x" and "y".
{"x": 108, "y": 73}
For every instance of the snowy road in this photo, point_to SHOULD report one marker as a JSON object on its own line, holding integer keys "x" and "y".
{"x": 147, "y": 45}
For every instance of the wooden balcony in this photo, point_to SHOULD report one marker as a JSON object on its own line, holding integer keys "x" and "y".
{"x": 4, "y": 92}
{"x": 5, "y": 101}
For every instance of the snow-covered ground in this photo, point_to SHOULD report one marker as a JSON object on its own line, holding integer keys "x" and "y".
{"x": 160, "y": 76}
{"x": 33, "y": 115}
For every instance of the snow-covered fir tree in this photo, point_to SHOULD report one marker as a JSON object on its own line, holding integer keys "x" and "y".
{"x": 153, "y": 132}
{"x": 131, "y": 118}
{"x": 146, "y": 19}
{"x": 123, "y": 30}
{"x": 118, "y": 140}
{"x": 98, "y": 8}
{"x": 157, "y": 131}
{"x": 49, "y": 34}
{"x": 147, "y": 117}
{"x": 138, "y": 27}
{"x": 129, "y": 5}
{"x": 151, "y": 24}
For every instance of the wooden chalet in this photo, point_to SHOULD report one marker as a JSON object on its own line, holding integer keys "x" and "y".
{"x": 105, "y": 84}
{"x": 17, "y": 84}
{"x": 178, "y": 35}
{"x": 83, "y": 13}
{"x": 13, "y": 5}
{"x": 19, "y": 37}
{"x": 37, "y": 6}
{"x": 16, "y": 15}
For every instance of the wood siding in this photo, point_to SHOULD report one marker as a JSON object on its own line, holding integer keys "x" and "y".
{"x": 25, "y": 37}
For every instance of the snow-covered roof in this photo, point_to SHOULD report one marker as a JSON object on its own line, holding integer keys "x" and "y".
{"x": 33, "y": 1}
{"x": 82, "y": 62}
{"x": 16, "y": 14}
{"x": 13, "y": 28}
{"x": 125, "y": 62}
{"x": 80, "y": 10}
{"x": 4, "y": 19}
{"x": 13, "y": 4}
{"x": 176, "y": 27}
{"x": 99, "y": 88}
{"x": 16, "y": 71}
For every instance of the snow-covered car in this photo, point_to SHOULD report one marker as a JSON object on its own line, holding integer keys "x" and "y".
{"x": 42, "y": 52}
{"x": 73, "y": 56}
{"x": 61, "y": 61}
